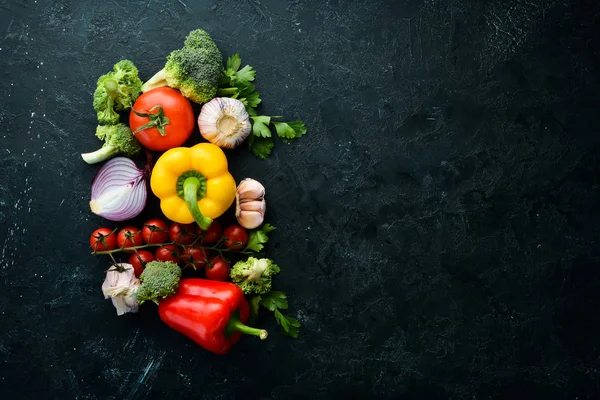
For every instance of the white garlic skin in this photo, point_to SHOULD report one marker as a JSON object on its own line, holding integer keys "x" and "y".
{"x": 121, "y": 285}
{"x": 225, "y": 122}
{"x": 250, "y": 204}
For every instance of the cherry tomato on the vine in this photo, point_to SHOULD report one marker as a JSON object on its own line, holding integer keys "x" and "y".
{"x": 182, "y": 234}
{"x": 155, "y": 231}
{"x": 236, "y": 237}
{"x": 168, "y": 253}
{"x": 103, "y": 239}
{"x": 217, "y": 269}
{"x": 139, "y": 260}
{"x": 212, "y": 234}
{"x": 195, "y": 257}
{"x": 170, "y": 111}
{"x": 129, "y": 236}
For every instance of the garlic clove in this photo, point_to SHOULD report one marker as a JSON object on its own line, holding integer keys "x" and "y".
{"x": 224, "y": 121}
{"x": 250, "y": 189}
{"x": 251, "y": 219}
{"x": 250, "y": 204}
{"x": 256, "y": 205}
{"x": 120, "y": 285}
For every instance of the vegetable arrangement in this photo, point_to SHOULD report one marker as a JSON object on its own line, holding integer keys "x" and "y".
{"x": 208, "y": 281}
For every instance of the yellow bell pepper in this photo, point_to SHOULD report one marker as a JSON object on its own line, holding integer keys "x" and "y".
{"x": 193, "y": 184}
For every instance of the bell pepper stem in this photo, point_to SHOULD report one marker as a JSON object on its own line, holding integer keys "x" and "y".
{"x": 235, "y": 324}
{"x": 190, "y": 194}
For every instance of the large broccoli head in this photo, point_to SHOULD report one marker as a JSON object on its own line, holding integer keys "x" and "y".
{"x": 254, "y": 275}
{"x": 160, "y": 279}
{"x": 195, "y": 69}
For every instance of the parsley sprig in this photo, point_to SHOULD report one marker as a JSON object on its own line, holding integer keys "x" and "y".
{"x": 258, "y": 237}
{"x": 275, "y": 300}
{"x": 237, "y": 83}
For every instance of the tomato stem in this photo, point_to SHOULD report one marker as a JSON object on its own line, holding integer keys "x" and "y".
{"x": 157, "y": 120}
{"x": 144, "y": 246}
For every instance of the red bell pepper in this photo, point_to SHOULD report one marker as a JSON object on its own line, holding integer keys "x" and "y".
{"x": 211, "y": 313}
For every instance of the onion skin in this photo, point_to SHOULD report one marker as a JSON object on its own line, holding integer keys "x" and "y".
{"x": 119, "y": 190}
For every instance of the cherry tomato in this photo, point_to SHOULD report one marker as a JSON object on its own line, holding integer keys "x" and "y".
{"x": 182, "y": 234}
{"x": 174, "y": 107}
{"x": 167, "y": 253}
{"x": 195, "y": 257}
{"x": 217, "y": 269}
{"x": 103, "y": 239}
{"x": 129, "y": 236}
{"x": 212, "y": 234}
{"x": 236, "y": 237}
{"x": 155, "y": 231}
{"x": 139, "y": 260}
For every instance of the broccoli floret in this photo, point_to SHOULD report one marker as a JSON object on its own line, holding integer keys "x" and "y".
{"x": 195, "y": 69}
{"x": 254, "y": 275}
{"x": 116, "y": 91}
{"x": 118, "y": 139}
{"x": 127, "y": 72}
{"x": 160, "y": 279}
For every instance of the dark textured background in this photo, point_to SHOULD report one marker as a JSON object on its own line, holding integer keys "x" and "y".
{"x": 437, "y": 228}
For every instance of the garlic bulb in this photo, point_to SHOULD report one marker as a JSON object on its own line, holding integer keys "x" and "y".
{"x": 224, "y": 121}
{"x": 121, "y": 285}
{"x": 250, "y": 204}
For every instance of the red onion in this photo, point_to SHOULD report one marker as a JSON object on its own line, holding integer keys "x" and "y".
{"x": 119, "y": 190}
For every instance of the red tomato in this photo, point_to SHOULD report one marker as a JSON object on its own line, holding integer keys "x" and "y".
{"x": 217, "y": 269}
{"x": 155, "y": 231}
{"x": 212, "y": 234}
{"x": 129, "y": 236}
{"x": 167, "y": 253}
{"x": 182, "y": 234}
{"x": 195, "y": 257}
{"x": 175, "y": 107}
{"x": 139, "y": 260}
{"x": 236, "y": 237}
{"x": 103, "y": 239}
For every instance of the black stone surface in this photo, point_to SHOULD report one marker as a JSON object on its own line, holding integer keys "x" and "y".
{"x": 437, "y": 228}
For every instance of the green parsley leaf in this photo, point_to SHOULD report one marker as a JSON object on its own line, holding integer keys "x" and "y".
{"x": 258, "y": 237}
{"x": 267, "y": 228}
{"x": 284, "y": 131}
{"x": 252, "y": 100}
{"x": 245, "y": 88}
{"x": 262, "y": 119}
{"x": 298, "y": 127}
{"x": 233, "y": 64}
{"x": 260, "y": 146}
{"x": 245, "y": 74}
{"x": 289, "y": 326}
{"x": 274, "y": 300}
{"x": 260, "y": 126}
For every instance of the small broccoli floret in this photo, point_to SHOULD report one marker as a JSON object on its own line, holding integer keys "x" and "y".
{"x": 118, "y": 139}
{"x": 104, "y": 106}
{"x": 254, "y": 275}
{"x": 195, "y": 69}
{"x": 116, "y": 91}
{"x": 160, "y": 279}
